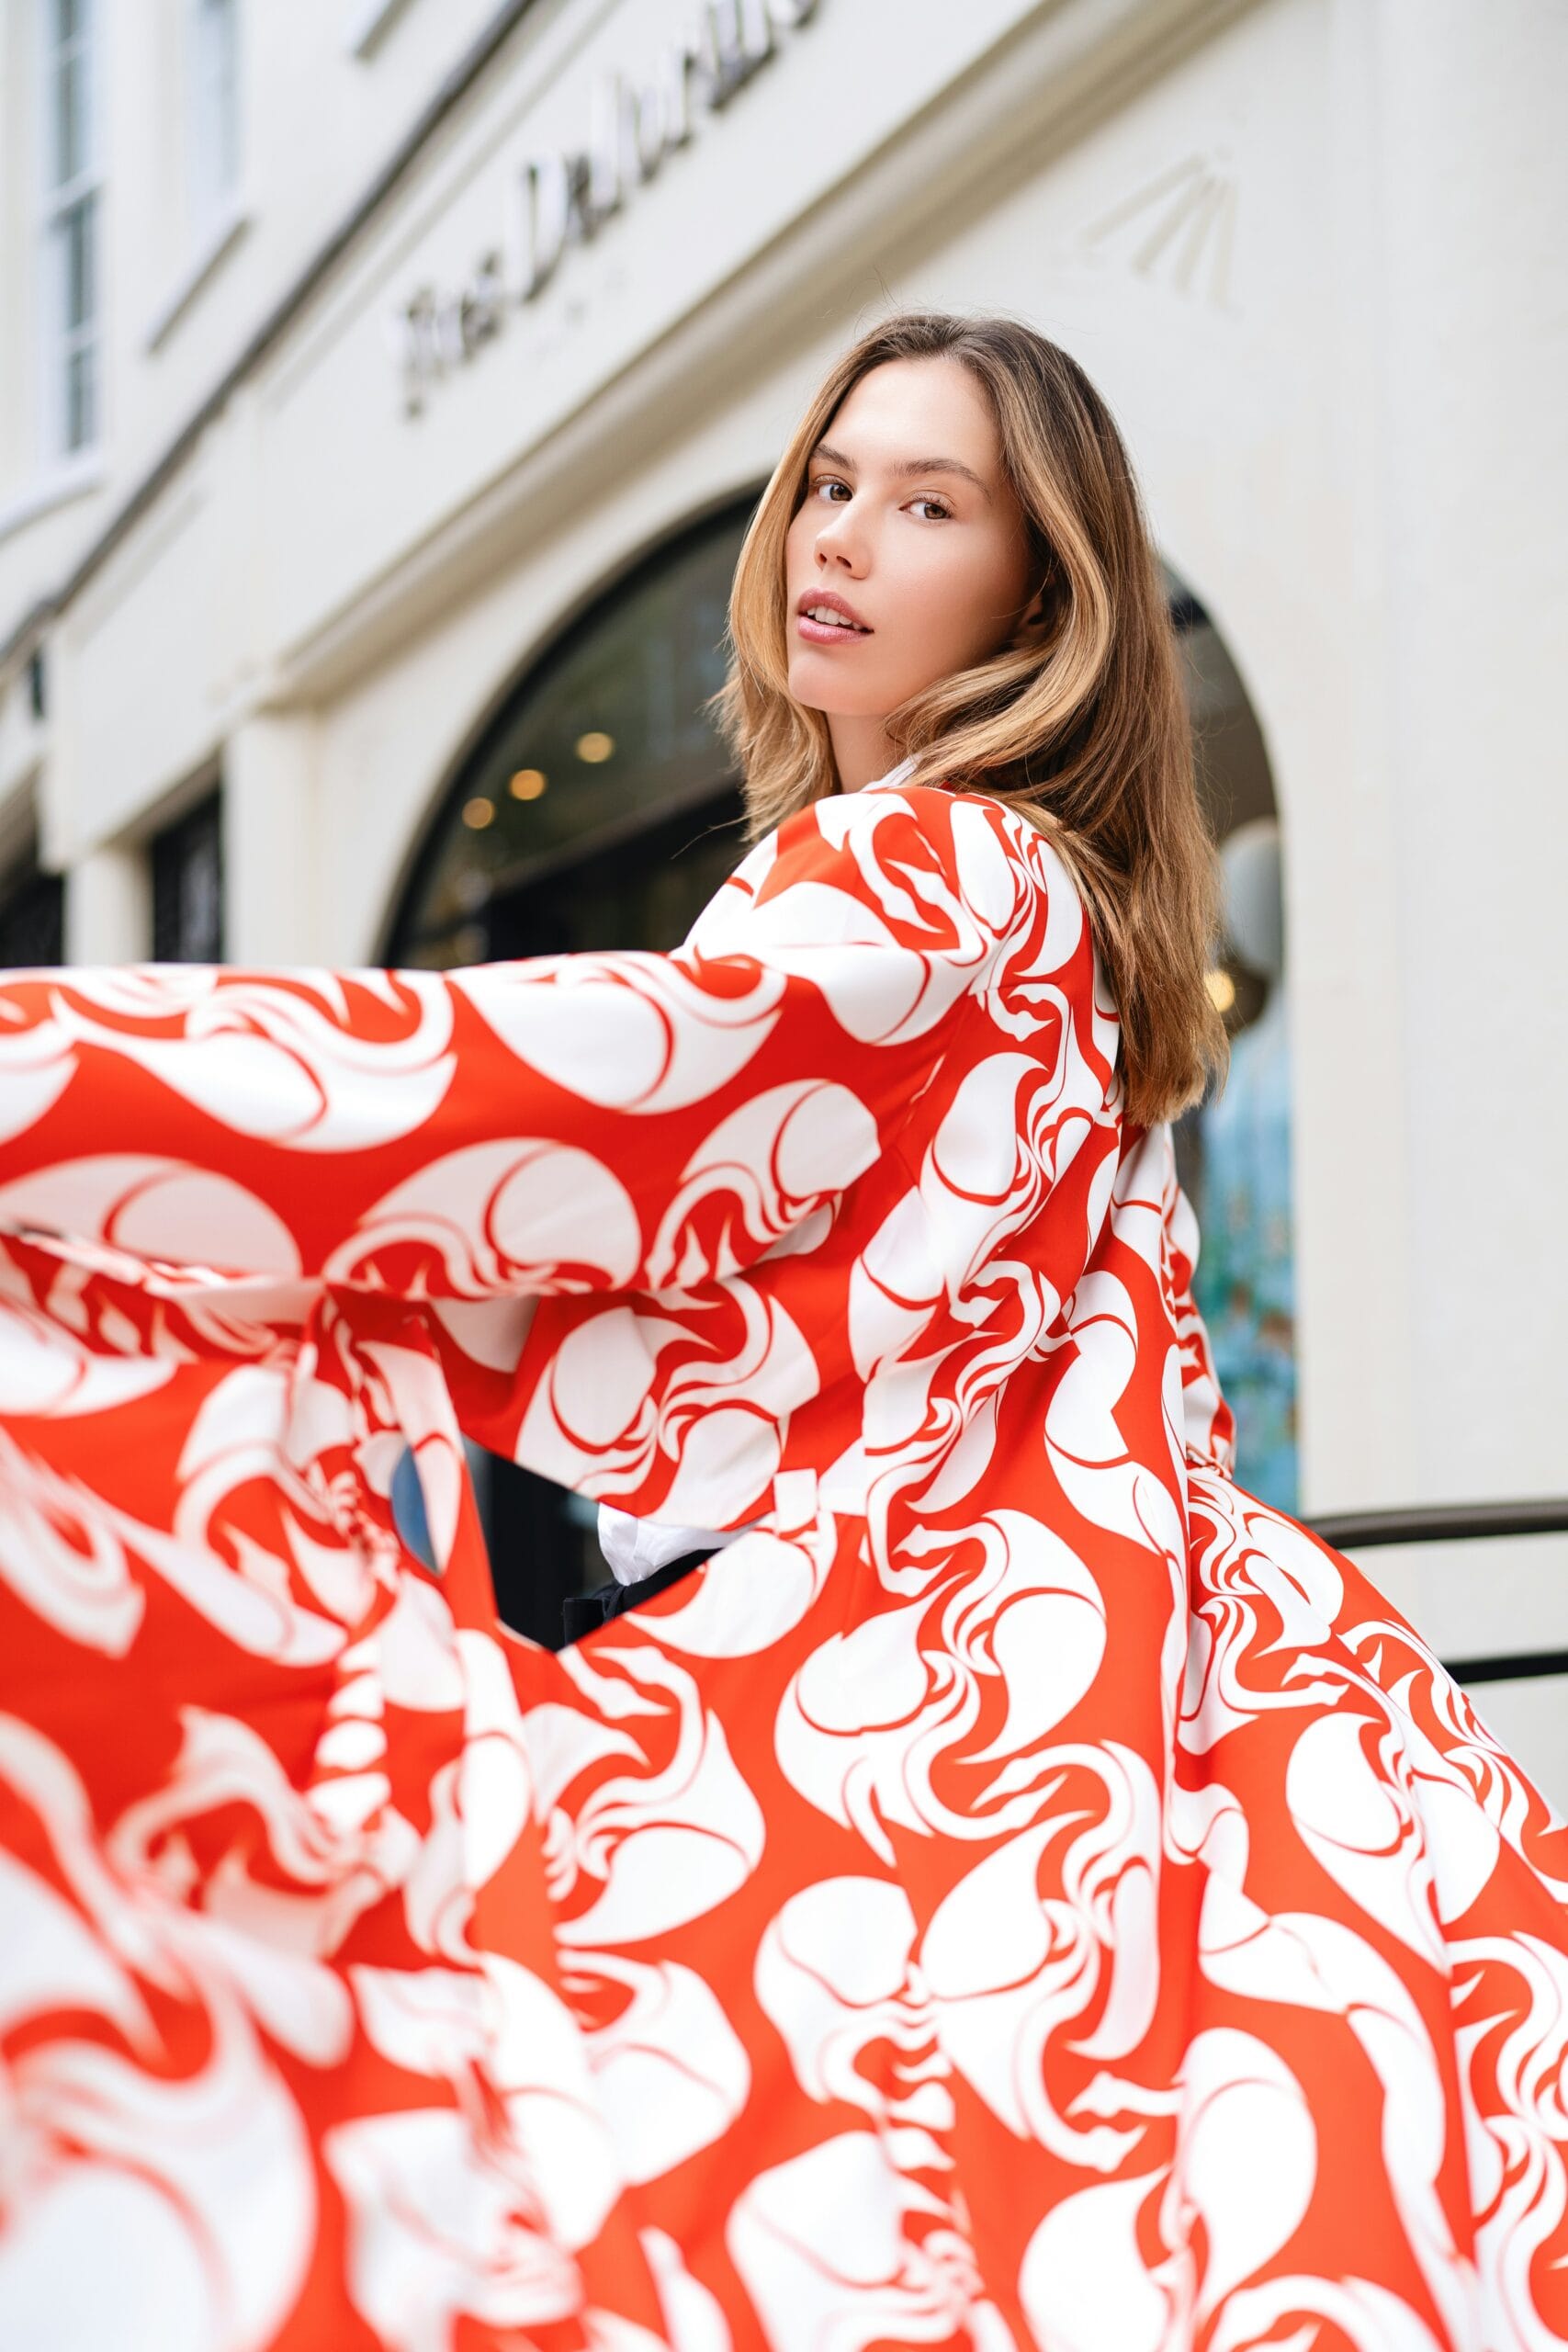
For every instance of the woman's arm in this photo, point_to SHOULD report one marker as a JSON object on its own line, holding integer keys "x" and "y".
{"x": 579, "y": 1122}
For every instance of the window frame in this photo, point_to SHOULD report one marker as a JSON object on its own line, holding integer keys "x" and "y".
{"x": 213, "y": 80}
{"x": 192, "y": 837}
{"x": 58, "y": 200}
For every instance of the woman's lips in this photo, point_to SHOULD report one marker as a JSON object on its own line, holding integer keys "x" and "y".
{"x": 830, "y": 632}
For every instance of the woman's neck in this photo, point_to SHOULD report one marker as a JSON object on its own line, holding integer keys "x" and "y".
{"x": 862, "y": 751}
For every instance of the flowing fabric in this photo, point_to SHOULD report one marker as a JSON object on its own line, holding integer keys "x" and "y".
{"x": 1023, "y": 1891}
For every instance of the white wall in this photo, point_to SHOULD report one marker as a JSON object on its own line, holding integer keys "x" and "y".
{"x": 1472, "y": 415}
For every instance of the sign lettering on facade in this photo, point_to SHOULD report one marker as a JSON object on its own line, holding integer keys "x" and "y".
{"x": 565, "y": 197}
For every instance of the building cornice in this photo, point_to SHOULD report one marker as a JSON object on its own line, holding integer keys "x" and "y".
{"x": 1062, "y": 60}
{"x": 1060, "y": 69}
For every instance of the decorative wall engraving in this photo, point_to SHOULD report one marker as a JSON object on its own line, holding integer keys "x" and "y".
{"x": 1179, "y": 227}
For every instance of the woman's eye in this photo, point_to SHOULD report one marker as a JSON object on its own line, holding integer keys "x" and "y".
{"x": 833, "y": 481}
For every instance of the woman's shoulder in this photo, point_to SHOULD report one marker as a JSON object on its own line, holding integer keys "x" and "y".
{"x": 922, "y": 861}
{"x": 953, "y": 823}
{"x": 989, "y": 849}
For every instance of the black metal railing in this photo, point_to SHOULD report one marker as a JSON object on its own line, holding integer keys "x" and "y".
{"x": 1356, "y": 1530}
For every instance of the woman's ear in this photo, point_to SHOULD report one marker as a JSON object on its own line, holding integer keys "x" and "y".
{"x": 1032, "y": 625}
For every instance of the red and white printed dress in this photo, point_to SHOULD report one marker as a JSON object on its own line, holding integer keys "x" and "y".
{"x": 1022, "y": 1892}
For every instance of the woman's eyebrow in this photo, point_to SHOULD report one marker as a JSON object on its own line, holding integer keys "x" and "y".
{"x": 909, "y": 466}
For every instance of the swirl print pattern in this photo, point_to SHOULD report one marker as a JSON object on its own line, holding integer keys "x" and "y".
{"x": 1021, "y": 1892}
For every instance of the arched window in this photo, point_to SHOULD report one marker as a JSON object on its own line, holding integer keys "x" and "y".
{"x": 598, "y": 809}
{"x": 1235, "y": 1153}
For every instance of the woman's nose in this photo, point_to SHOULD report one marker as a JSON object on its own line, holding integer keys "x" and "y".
{"x": 840, "y": 541}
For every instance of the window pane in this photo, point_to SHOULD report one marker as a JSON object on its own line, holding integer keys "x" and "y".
{"x": 606, "y": 744}
{"x": 32, "y": 916}
{"x": 187, "y": 887}
{"x": 69, "y": 117}
{"x": 1234, "y": 1152}
{"x": 81, "y": 398}
{"x": 214, "y": 146}
{"x": 78, "y": 243}
{"x": 201, "y": 901}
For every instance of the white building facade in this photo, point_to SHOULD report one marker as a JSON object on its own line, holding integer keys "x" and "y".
{"x": 361, "y": 361}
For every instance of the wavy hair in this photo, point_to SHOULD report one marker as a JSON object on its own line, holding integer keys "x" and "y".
{"x": 1085, "y": 733}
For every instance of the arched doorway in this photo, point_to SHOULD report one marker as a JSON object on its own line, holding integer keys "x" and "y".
{"x": 598, "y": 810}
{"x": 1234, "y": 1153}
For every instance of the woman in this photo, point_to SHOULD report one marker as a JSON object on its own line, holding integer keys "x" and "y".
{"x": 1018, "y": 1890}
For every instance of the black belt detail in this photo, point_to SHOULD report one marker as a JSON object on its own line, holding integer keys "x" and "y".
{"x": 581, "y": 1611}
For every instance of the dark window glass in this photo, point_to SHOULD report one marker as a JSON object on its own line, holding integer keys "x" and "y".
{"x": 600, "y": 808}
{"x": 187, "y": 887}
{"x": 32, "y": 916}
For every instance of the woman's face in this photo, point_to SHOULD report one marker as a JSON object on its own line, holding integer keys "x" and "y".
{"x": 908, "y": 528}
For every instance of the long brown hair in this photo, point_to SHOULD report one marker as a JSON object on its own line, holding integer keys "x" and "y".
{"x": 1085, "y": 733}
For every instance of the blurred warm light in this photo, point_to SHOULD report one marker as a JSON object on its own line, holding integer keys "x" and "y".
{"x": 528, "y": 783}
{"x": 595, "y": 747}
{"x": 478, "y": 814}
{"x": 1221, "y": 988}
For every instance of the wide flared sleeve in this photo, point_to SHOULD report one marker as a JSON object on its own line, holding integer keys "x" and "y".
{"x": 630, "y": 1122}
{"x": 1207, "y": 1423}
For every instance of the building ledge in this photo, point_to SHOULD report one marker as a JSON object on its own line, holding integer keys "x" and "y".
{"x": 214, "y": 250}
{"x": 67, "y": 478}
{"x": 368, "y": 21}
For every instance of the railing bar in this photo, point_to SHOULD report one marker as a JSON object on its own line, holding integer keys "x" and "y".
{"x": 1459, "y": 1523}
{"x": 1515, "y": 1669}
{"x": 1442, "y": 1522}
